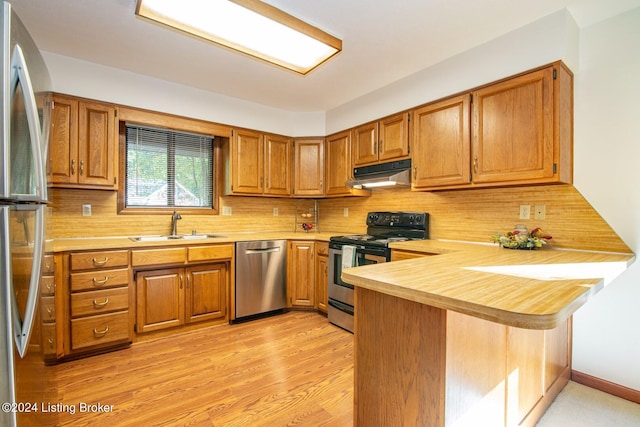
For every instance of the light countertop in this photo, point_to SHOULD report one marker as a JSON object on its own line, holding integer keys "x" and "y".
{"x": 535, "y": 289}
{"x": 123, "y": 242}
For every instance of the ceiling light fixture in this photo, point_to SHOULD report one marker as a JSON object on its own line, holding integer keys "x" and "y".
{"x": 248, "y": 26}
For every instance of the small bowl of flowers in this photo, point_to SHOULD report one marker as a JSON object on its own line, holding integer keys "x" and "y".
{"x": 520, "y": 238}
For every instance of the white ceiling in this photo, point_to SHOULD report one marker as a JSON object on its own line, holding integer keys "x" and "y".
{"x": 383, "y": 41}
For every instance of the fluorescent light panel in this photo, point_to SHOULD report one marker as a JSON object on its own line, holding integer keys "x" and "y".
{"x": 249, "y": 26}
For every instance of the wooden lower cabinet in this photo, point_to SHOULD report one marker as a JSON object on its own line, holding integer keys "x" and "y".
{"x": 421, "y": 365}
{"x": 172, "y": 297}
{"x": 301, "y": 287}
{"x": 322, "y": 276}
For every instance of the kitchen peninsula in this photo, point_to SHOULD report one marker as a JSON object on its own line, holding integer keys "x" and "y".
{"x": 461, "y": 332}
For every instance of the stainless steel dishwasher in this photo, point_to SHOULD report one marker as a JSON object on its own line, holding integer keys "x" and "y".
{"x": 261, "y": 277}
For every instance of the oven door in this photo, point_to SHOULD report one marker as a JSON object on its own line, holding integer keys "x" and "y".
{"x": 339, "y": 290}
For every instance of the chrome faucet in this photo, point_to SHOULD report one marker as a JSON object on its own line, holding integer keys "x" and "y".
{"x": 174, "y": 223}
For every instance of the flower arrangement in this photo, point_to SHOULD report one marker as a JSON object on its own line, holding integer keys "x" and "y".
{"x": 521, "y": 239}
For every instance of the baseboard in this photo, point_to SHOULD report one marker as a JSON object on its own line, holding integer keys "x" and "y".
{"x": 606, "y": 386}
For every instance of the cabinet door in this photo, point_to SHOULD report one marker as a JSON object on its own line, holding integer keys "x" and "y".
{"x": 322, "y": 281}
{"x": 96, "y": 144}
{"x": 512, "y": 137}
{"x": 440, "y": 142}
{"x": 247, "y": 162}
{"x": 394, "y": 138}
{"x": 63, "y": 142}
{"x": 301, "y": 274}
{"x": 160, "y": 299}
{"x": 365, "y": 144}
{"x": 309, "y": 167}
{"x": 206, "y": 292}
{"x": 338, "y": 160}
{"x": 277, "y": 167}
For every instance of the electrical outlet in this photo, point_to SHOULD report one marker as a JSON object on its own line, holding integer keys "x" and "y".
{"x": 525, "y": 211}
{"x": 86, "y": 210}
{"x": 275, "y": 211}
{"x": 345, "y": 212}
{"x": 540, "y": 211}
{"x": 226, "y": 210}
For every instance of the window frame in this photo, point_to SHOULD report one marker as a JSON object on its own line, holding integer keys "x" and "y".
{"x": 179, "y": 124}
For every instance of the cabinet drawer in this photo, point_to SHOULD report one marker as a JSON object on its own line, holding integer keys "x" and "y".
{"x": 48, "y": 309}
{"x": 98, "y": 302}
{"x": 47, "y": 285}
{"x": 158, "y": 256}
{"x": 206, "y": 253}
{"x": 94, "y": 280}
{"x": 49, "y": 338}
{"x": 99, "y": 330}
{"x": 48, "y": 266}
{"x": 102, "y": 259}
{"x": 322, "y": 248}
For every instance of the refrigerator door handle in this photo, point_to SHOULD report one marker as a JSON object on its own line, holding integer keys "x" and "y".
{"x": 22, "y": 327}
{"x": 20, "y": 75}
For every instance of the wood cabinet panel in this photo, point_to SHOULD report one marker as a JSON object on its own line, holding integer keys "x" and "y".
{"x": 101, "y": 259}
{"x": 394, "y": 137}
{"x": 301, "y": 274}
{"x": 338, "y": 164}
{"x": 96, "y": 144}
{"x": 277, "y": 169}
{"x": 247, "y": 157}
{"x": 102, "y": 330}
{"x": 102, "y": 279}
{"x": 513, "y": 129}
{"x": 322, "y": 275}
{"x": 146, "y": 257}
{"x": 208, "y": 253}
{"x": 441, "y": 143}
{"x": 308, "y": 167}
{"x": 63, "y": 141}
{"x": 525, "y": 364}
{"x": 83, "y": 144}
{"x": 206, "y": 296}
{"x": 365, "y": 144}
{"x": 160, "y": 299}
{"x": 98, "y": 302}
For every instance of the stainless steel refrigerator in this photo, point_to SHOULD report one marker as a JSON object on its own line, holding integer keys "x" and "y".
{"x": 25, "y": 122}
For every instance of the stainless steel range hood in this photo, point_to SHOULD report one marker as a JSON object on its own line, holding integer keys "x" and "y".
{"x": 392, "y": 174}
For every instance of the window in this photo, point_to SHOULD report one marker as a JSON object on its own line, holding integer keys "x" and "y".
{"x": 168, "y": 169}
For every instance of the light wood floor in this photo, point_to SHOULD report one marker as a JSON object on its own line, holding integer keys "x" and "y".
{"x": 290, "y": 369}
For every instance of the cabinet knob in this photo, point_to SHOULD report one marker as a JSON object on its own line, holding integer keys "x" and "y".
{"x": 475, "y": 164}
{"x": 73, "y": 167}
{"x": 81, "y": 167}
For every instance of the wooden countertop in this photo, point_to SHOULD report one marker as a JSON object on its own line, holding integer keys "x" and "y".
{"x": 529, "y": 289}
{"x": 123, "y": 242}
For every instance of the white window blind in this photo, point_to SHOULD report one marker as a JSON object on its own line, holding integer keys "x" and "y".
{"x": 167, "y": 168}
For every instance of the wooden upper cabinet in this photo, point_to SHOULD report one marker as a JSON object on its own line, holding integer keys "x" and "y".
{"x": 381, "y": 141}
{"x": 338, "y": 164}
{"x": 82, "y": 147}
{"x": 365, "y": 144}
{"x": 277, "y": 165}
{"x": 247, "y": 157}
{"x": 513, "y": 129}
{"x": 441, "y": 143}
{"x": 308, "y": 164}
{"x": 260, "y": 164}
{"x": 518, "y": 131}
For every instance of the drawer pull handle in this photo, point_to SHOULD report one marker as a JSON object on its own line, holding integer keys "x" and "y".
{"x": 100, "y": 263}
{"x": 97, "y": 282}
{"x": 49, "y": 288}
{"x": 50, "y": 311}
{"x": 97, "y": 304}
{"x": 100, "y": 333}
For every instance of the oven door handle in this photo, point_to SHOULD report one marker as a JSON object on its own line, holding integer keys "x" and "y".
{"x": 341, "y": 306}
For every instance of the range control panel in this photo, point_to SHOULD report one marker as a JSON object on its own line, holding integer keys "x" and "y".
{"x": 398, "y": 219}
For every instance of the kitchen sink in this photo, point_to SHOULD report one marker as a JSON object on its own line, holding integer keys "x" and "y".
{"x": 176, "y": 237}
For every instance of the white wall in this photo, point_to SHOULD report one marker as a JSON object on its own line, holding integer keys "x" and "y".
{"x": 89, "y": 80}
{"x": 607, "y": 154}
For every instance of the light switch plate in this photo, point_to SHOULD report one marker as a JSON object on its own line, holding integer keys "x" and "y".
{"x": 540, "y": 211}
